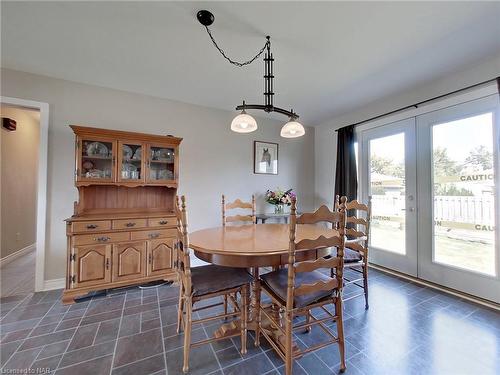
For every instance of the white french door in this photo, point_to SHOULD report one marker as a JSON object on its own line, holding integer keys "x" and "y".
{"x": 434, "y": 183}
{"x": 388, "y": 175}
{"x": 458, "y": 197}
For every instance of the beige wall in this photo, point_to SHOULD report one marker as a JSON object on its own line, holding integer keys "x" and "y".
{"x": 326, "y": 138}
{"x": 214, "y": 160}
{"x": 19, "y": 170}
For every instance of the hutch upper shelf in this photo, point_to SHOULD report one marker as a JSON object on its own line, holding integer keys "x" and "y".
{"x": 111, "y": 157}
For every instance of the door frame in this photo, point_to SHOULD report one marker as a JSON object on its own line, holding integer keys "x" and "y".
{"x": 408, "y": 262}
{"x": 468, "y": 281}
{"x": 41, "y": 215}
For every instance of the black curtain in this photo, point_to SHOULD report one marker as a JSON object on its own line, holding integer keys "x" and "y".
{"x": 346, "y": 176}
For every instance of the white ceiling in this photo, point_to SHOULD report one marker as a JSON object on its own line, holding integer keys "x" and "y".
{"x": 331, "y": 57}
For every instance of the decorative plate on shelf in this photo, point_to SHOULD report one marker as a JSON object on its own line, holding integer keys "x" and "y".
{"x": 97, "y": 149}
{"x": 164, "y": 154}
{"x": 128, "y": 167}
{"x": 165, "y": 174}
{"x": 127, "y": 152}
{"x": 137, "y": 154}
{"x": 88, "y": 165}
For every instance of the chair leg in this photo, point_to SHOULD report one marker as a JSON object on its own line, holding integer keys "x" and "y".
{"x": 308, "y": 320}
{"x": 257, "y": 312}
{"x": 243, "y": 318}
{"x": 187, "y": 333}
{"x": 340, "y": 332}
{"x": 180, "y": 310}
{"x": 288, "y": 343}
{"x": 225, "y": 305}
{"x": 365, "y": 284}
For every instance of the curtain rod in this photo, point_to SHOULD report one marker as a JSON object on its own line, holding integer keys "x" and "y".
{"x": 424, "y": 102}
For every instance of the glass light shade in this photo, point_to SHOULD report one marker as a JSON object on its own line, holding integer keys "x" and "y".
{"x": 292, "y": 129}
{"x": 243, "y": 123}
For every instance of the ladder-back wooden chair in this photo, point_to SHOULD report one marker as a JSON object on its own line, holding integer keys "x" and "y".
{"x": 238, "y": 204}
{"x": 201, "y": 283}
{"x": 358, "y": 217}
{"x": 301, "y": 287}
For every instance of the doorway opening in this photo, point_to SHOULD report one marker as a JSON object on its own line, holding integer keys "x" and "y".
{"x": 19, "y": 152}
{"x": 14, "y": 167}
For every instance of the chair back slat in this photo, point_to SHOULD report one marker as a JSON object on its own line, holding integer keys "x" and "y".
{"x": 316, "y": 287}
{"x": 355, "y": 205}
{"x": 318, "y": 243}
{"x": 356, "y": 220}
{"x": 235, "y": 218}
{"x": 322, "y": 214}
{"x": 354, "y": 233}
{"x": 356, "y": 246}
{"x": 359, "y": 231}
{"x": 238, "y": 204}
{"x": 312, "y": 265}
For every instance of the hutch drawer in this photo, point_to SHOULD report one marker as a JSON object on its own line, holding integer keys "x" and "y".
{"x": 162, "y": 222}
{"x": 91, "y": 226}
{"x": 101, "y": 238}
{"x": 153, "y": 234}
{"x": 130, "y": 223}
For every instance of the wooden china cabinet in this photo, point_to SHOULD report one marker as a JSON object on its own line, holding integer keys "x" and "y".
{"x": 123, "y": 228}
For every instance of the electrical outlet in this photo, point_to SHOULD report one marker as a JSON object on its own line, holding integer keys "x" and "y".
{"x": 18, "y": 236}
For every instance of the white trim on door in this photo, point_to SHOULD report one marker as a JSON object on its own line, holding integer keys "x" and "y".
{"x": 42, "y": 183}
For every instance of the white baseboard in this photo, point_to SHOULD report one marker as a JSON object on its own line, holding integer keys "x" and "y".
{"x": 54, "y": 284}
{"x": 19, "y": 253}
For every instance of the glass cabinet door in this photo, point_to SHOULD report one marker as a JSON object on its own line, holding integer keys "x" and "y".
{"x": 161, "y": 164}
{"x": 130, "y": 165}
{"x": 96, "y": 160}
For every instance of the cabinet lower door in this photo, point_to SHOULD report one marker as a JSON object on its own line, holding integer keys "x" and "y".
{"x": 129, "y": 261}
{"x": 92, "y": 265}
{"x": 160, "y": 254}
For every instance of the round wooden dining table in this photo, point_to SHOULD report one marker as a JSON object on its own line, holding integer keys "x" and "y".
{"x": 254, "y": 246}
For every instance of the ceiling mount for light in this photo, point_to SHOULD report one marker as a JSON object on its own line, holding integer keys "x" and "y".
{"x": 244, "y": 123}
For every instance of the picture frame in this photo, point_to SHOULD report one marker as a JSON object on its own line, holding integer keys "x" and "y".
{"x": 265, "y": 157}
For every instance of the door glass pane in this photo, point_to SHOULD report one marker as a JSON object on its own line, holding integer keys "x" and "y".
{"x": 131, "y": 161}
{"x": 387, "y": 188}
{"x": 97, "y": 162}
{"x": 464, "y": 193}
{"x": 162, "y": 163}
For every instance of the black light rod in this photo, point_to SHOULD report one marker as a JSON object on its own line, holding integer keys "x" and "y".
{"x": 293, "y": 115}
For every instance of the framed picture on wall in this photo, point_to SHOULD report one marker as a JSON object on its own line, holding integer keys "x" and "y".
{"x": 265, "y": 157}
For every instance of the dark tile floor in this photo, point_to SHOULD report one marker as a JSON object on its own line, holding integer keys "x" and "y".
{"x": 408, "y": 329}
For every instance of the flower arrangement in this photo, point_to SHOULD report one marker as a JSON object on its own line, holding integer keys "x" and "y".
{"x": 279, "y": 198}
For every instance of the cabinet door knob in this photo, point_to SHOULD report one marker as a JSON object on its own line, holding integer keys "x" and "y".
{"x": 92, "y": 226}
{"x": 130, "y": 224}
{"x": 107, "y": 263}
{"x": 154, "y": 235}
{"x": 163, "y": 222}
{"x": 102, "y": 239}
{"x": 150, "y": 258}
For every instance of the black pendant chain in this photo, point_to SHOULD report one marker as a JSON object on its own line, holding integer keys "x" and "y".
{"x": 237, "y": 63}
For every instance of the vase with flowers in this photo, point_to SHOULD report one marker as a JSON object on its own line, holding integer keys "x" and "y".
{"x": 280, "y": 199}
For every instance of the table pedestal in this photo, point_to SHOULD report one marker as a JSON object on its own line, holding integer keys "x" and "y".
{"x": 233, "y": 327}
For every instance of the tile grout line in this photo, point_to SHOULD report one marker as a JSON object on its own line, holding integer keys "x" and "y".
{"x": 18, "y": 304}
{"x": 117, "y": 336}
{"x": 161, "y": 332}
{"x": 26, "y": 338}
{"x": 73, "y": 336}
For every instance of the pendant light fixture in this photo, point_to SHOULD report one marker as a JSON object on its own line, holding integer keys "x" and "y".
{"x": 243, "y": 122}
